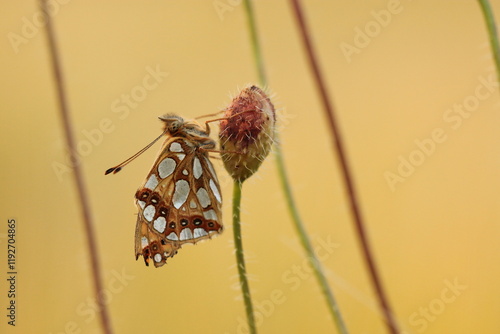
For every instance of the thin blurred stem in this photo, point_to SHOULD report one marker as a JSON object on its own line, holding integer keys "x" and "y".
{"x": 285, "y": 184}
{"x": 77, "y": 173}
{"x": 254, "y": 40}
{"x": 348, "y": 179}
{"x": 306, "y": 244}
{"x": 240, "y": 259}
{"x": 492, "y": 32}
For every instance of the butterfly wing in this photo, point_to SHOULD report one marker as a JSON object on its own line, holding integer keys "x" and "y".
{"x": 196, "y": 201}
{"x": 179, "y": 203}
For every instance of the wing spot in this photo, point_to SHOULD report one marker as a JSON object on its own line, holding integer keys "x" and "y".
{"x": 176, "y": 147}
{"x": 186, "y": 234}
{"x": 203, "y": 197}
{"x": 160, "y": 224}
{"x": 163, "y": 211}
{"x": 166, "y": 167}
{"x": 149, "y": 213}
{"x": 172, "y": 236}
{"x": 142, "y": 194}
{"x": 157, "y": 257}
{"x": 199, "y": 232}
{"x": 210, "y": 215}
{"x": 197, "y": 170}
{"x": 213, "y": 186}
{"x": 152, "y": 182}
{"x": 209, "y": 164}
{"x": 144, "y": 242}
{"x": 181, "y": 193}
{"x": 155, "y": 199}
{"x": 192, "y": 204}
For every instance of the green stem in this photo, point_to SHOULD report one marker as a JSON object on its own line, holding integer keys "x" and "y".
{"x": 285, "y": 184}
{"x": 254, "y": 41}
{"x": 240, "y": 260}
{"x": 306, "y": 244}
{"x": 492, "y": 31}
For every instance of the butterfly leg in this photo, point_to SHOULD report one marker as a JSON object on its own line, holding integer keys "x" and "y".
{"x": 207, "y": 127}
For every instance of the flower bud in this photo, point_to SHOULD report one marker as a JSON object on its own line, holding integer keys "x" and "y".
{"x": 247, "y": 132}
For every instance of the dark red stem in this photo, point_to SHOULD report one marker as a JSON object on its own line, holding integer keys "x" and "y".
{"x": 77, "y": 173}
{"x": 349, "y": 183}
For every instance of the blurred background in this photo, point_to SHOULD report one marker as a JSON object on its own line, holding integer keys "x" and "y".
{"x": 417, "y": 98}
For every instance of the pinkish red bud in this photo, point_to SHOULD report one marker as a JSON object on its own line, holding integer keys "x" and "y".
{"x": 247, "y": 133}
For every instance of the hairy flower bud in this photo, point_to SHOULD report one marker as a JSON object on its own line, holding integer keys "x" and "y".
{"x": 247, "y": 132}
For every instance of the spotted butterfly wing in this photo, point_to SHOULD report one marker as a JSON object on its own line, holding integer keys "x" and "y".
{"x": 180, "y": 201}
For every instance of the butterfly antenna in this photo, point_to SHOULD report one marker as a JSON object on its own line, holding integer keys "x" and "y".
{"x": 119, "y": 167}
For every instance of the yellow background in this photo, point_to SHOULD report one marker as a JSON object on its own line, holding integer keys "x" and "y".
{"x": 440, "y": 226}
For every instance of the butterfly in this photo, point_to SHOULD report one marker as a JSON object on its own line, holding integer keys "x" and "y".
{"x": 180, "y": 200}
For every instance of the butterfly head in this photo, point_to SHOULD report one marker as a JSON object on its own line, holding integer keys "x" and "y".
{"x": 173, "y": 123}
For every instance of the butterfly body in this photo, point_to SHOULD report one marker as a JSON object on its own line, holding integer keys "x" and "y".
{"x": 180, "y": 200}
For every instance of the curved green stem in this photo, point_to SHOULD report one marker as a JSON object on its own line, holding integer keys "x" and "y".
{"x": 306, "y": 244}
{"x": 254, "y": 41}
{"x": 492, "y": 32}
{"x": 240, "y": 260}
{"x": 285, "y": 184}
